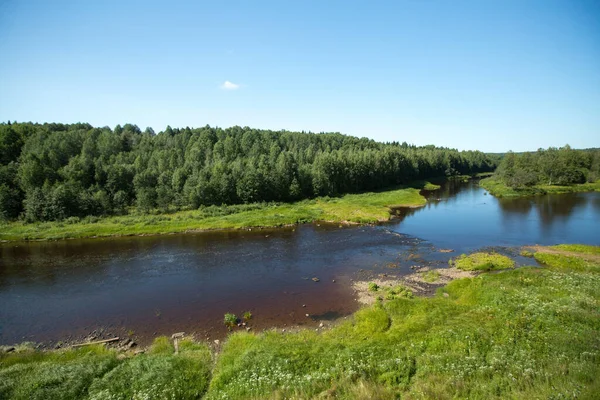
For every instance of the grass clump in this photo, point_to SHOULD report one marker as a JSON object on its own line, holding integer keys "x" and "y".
{"x": 373, "y": 287}
{"x": 526, "y": 253}
{"x": 230, "y": 320}
{"x": 482, "y": 262}
{"x": 247, "y": 316}
{"x": 431, "y": 276}
{"x": 396, "y": 292}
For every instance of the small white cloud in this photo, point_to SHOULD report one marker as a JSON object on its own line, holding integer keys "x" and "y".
{"x": 230, "y": 86}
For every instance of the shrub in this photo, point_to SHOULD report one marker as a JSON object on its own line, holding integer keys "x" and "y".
{"x": 230, "y": 320}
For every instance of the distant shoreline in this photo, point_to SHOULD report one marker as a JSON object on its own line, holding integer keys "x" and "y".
{"x": 349, "y": 209}
{"x": 498, "y": 189}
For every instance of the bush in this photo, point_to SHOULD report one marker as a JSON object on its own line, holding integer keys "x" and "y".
{"x": 230, "y": 320}
{"x": 373, "y": 287}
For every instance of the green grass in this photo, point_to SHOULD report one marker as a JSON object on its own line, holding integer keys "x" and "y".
{"x": 564, "y": 261}
{"x": 499, "y": 189}
{"x": 526, "y": 253}
{"x": 524, "y": 333}
{"x": 578, "y": 248}
{"x": 426, "y": 185}
{"x": 352, "y": 208}
{"x": 97, "y": 373}
{"x": 430, "y": 276}
{"x": 482, "y": 262}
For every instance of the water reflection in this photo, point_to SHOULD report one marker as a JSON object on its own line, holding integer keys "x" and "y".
{"x": 464, "y": 217}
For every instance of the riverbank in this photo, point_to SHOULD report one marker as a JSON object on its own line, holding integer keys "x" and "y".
{"x": 348, "y": 209}
{"x": 499, "y": 189}
{"x": 524, "y": 333}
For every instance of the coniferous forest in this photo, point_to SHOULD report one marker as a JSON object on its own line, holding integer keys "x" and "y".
{"x": 55, "y": 171}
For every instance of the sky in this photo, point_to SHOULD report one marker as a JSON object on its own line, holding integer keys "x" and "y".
{"x": 492, "y": 75}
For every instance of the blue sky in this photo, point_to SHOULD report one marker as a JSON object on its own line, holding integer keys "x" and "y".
{"x": 492, "y": 75}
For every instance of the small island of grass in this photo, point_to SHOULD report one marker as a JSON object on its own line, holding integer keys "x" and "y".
{"x": 482, "y": 262}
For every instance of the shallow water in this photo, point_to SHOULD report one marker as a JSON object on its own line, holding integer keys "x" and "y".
{"x": 147, "y": 286}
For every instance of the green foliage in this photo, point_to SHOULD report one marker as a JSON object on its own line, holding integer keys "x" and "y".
{"x": 398, "y": 292}
{"x": 482, "y": 262}
{"x": 78, "y": 170}
{"x": 578, "y": 248}
{"x": 566, "y": 261}
{"x": 499, "y": 189}
{"x": 247, "y": 316}
{"x": 431, "y": 276}
{"x": 185, "y": 376}
{"x": 230, "y": 320}
{"x": 526, "y": 253}
{"x": 62, "y": 375}
{"x": 161, "y": 345}
{"x": 373, "y": 287}
{"x": 540, "y": 172}
{"x": 97, "y": 373}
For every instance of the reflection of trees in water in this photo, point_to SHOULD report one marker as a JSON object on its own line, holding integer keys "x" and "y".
{"x": 595, "y": 203}
{"x": 550, "y": 208}
{"x": 447, "y": 192}
{"x": 510, "y": 207}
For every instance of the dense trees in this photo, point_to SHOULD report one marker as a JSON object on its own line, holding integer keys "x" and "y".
{"x": 563, "y": 166}
{"x": 55, "y": 171}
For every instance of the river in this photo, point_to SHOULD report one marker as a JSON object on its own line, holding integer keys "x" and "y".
{"x": 153, "y": 285}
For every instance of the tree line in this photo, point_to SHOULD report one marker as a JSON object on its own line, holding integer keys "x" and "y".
{"x": 54, "y": 171}
{"x": 552, "y": 166}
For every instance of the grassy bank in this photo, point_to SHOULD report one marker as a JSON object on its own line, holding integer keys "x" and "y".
{"x": 525, "y": 333}
{"x": 499, "y": 189}
{"x": 353, "y": 208}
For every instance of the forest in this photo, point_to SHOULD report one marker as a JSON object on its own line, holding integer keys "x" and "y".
{"x": 553, "y": 166}
{"x": 53, "y": 171}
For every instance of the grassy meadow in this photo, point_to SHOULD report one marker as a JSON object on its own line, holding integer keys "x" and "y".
{"x": 351, "y": 208}
{"x": 530, "y": 332}
{"x": 499, "y": 189}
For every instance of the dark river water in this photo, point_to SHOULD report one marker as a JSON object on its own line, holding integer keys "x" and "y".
{"x": 148, "y": 286}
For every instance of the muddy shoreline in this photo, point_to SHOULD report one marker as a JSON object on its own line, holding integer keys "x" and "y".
{"x": 128, "y": 341}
